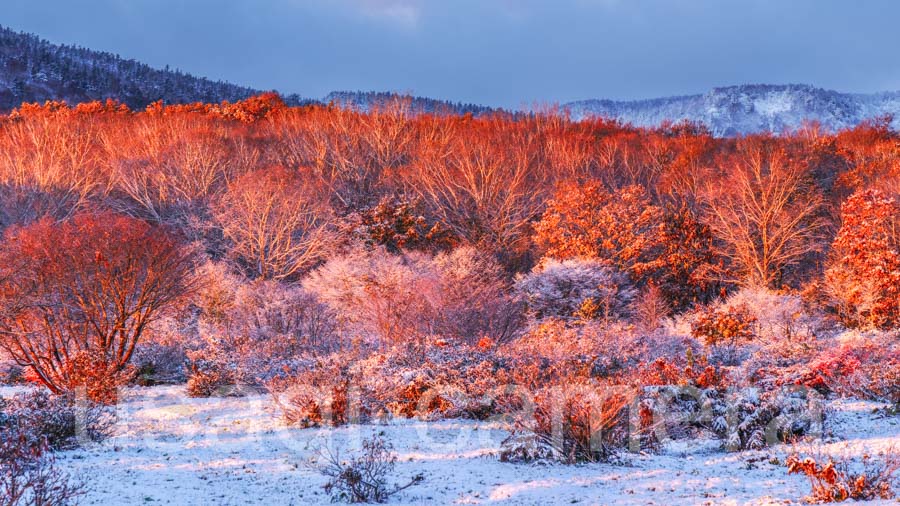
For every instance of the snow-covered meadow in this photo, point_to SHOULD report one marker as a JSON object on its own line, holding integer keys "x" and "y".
{"x": 172, "y": 449}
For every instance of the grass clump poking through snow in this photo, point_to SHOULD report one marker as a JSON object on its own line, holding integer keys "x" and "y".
{"x": 364, "y": 477}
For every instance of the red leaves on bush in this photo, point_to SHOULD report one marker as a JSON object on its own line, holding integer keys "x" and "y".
{"x": 837, "y": 481}
{"x": 78, "y": 295}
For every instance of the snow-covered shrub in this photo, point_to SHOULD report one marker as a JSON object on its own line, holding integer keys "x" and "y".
{"x": 570, "y": 423}
{"x": 682, "y": 411}
{"x": 684, "y": 371}
{"x": 364, "y": 477}
{"x": 10, "y": 373}
{"x": 385, "y": 299}
{"x": 446, "y": 382}
{"x": 780, "y": 320}
{"x": 160, "y": 357}
{"x": 250, "y": 332}
{"x": 837, "y": 480}
{"x": 753, "y": 420}
{"x": 610, "y": 348}
{"x": 475, "y": 298}
{"x": 575, "y": 289}
{"x": 381, "y": 298}
{"x": 325, "y": 393}
{"x": 772, "y": 330}
{"x": 866, "y": 366}
{"x": 59, "y": 421}
{"x": 424, "y": 381}
{"x": 29, "y": 473}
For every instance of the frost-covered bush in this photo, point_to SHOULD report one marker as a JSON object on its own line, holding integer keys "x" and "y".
{"x": 250, "y": 332}
{"x": 384, "y": 299}
{"x": 327, "y": 392}
{"x": 780, "y": 318}
{"x": 745, "y": 419}
{"x": 160, "y": 358}
{"x": 364, "y": 477}
{"x": 58, "y": 421}
{"x": 865, "y": 366}
{"x": 570, "y": 423}
{"x": 423, "y": 381}
{"x": 29, "y": 474}
{"x": 575, "y": 289}
{"x": 759, "y": 329}
{"x": 380, "y": 298}
{"x": 755, "y": 419}
{"x": 10, "y": 373}
{"x": 475, "y": 298}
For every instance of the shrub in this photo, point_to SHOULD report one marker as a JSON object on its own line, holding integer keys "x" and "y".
{"x": 421, "y": 381}
{"x": 160, "y": 359}
{"x": 575, "y": 289}
{"x": 724, "y": 326}
{"x": 865, "y": 367}
{"x": 752, "y": 420}
{"x": 382, "y": 298}
{"x": 387, "y": 299}
{"x": 365, "y": 477}
{"x": 29, "y": 474}
{"x": 325, "y": 393}
{"x": 58, "y": 421}
{"x": 474, "y": 298}
{"x": 78, "y": 295}
{"x": 254, "y": 332}
{"x": 571, "y": 423}
{"x": 839, "y": 480}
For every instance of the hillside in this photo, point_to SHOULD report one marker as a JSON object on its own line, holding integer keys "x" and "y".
{"x": 35, "y": 70}
{"x": 750, "y": 108}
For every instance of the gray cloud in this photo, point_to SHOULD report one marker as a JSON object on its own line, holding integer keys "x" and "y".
{"x": 500, "y": 52}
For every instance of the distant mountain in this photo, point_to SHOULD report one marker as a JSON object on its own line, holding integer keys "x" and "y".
{"x": 367, "y": 99}
{"x": 750, "y": 108}
{"x": 34, "y": 70}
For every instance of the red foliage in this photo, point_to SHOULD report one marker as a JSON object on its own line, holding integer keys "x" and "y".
{"x": 865, "y": 273}
{"x": 78, "y": 295}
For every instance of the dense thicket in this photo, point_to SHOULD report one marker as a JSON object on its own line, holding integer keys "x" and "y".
{"x": 630, "y": 224}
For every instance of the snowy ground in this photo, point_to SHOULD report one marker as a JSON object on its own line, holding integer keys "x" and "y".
{"x": 171, "y": 449}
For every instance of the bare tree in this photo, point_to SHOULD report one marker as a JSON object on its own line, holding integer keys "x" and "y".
{"x": 48, "y": 166}
{"x": 276, "y": 222}
{"x": 483, "y": 181}
{"x": 765, "y": 212}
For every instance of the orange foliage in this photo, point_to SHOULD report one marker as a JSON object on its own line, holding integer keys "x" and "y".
{"x": 78, "y": 296}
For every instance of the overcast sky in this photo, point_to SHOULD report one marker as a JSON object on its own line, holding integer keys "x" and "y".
{"x": 497, "y": 52}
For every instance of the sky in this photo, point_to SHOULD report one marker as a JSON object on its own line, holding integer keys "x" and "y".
{"x": 508, "y": 53}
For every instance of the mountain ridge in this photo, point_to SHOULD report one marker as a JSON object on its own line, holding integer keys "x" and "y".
{"x": 35, "y": 70}
{"x": 749, "y": 108}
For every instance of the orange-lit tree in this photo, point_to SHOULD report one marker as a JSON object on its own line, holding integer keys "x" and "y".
{"x": 276, "y": 222}
{"x": 766, "y": 212}
{"x": 864, "y": 275}
{"x": 77, "y": 296}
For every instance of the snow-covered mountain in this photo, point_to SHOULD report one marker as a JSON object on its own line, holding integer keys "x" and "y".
{"x": 366, "y": 99}
{"x": 34, "y": 70}
{"x": 750, "y": 108}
